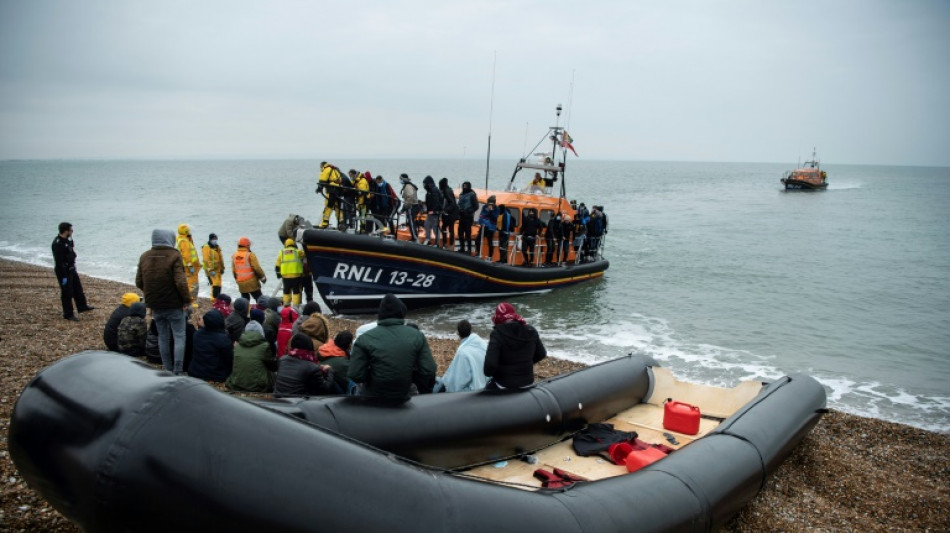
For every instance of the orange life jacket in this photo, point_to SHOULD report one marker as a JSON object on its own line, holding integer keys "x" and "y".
{"x": 242, "y": 266}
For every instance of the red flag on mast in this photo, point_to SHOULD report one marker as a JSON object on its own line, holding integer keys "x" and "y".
{"x": 566, "y": 141}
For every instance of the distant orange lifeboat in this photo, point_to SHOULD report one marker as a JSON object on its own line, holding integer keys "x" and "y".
{"x": 808, "y": 177}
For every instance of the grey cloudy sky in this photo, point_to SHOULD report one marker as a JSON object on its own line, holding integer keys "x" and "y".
{"x": 865, "y": 81}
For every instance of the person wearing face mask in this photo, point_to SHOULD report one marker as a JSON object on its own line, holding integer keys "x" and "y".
{"x": 213, "y": 263}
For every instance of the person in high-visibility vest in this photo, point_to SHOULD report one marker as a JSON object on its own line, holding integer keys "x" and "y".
{"x": 189, "y": 258}
{"x": 289, "y": 267}
{"x": 213, "y": 263}
{"x": 329, "y": 185}
{"x": 247, "y": 270}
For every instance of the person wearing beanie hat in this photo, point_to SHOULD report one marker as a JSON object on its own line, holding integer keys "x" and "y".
{"x": 254, "y": 362}
{"x": 213, "y": 352}
{"x": 388, "y": 360}
{"x": 189, "y": 259}
{"x": 247, "y": 270}
{"x": 111, "y": 331}
{"x": 258, "y": 316}
{"x": 410, "y": 204}
{"x": 213, "y": 264}
{"x": 299, "y": 375}
{"x": 513, "y": 349}
{"x": 132, "y": 331}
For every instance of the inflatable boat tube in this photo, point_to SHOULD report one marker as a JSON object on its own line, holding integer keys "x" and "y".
{"x": 463, "y": 429}
{"x": 116, "y": 445}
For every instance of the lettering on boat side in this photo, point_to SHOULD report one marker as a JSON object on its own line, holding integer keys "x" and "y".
{"x": 368, "y": 274}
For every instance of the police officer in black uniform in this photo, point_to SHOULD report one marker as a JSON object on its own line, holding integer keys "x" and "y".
{"x": 64, "y": 259}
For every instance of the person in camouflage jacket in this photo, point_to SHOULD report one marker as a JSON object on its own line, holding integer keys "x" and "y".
{"x": 132, "y": 331}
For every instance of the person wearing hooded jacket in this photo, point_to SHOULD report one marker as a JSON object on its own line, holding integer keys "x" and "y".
{"x": 212, "y": 353}
{"x": 237, "y": 320}
{"x": 467, "y": 205}
{"x": 288, "y": 316}
{"x": 254, "y": 362}
{"x": 110, "y": 334}
{"x": 213, "y": 264}
{"x": 189, "y": 258}
{"x": 450, "y": 214}
{"x": 433, "y": 210}
{"x": 388, "y": 359}
{"x": 513, "y": 349}
{"x": 247, "y": 270}
{"x": 132, "y": 331}
{"x": 161, "y": 277}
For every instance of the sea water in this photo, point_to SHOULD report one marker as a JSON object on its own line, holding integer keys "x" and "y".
{"x": 715, "y": 271}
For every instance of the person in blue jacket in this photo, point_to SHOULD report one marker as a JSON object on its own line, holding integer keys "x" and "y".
{"x": 488, "y": 220}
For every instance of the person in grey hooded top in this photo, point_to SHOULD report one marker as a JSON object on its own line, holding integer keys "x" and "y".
{"x": 161, "y": 276}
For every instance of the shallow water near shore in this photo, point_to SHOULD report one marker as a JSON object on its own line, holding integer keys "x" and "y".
{"x": 714, "y": 272}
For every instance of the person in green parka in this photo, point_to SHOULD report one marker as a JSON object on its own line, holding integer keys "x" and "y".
{"x": 254, "y": 362}
{"x": 388, "y": 359}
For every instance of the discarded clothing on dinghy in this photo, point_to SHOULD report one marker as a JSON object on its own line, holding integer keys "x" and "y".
{"x": 596, "y": 439}
{"x": 558, "y": 479}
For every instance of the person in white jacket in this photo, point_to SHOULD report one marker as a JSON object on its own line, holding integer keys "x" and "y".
{"x": 466, "y": 371}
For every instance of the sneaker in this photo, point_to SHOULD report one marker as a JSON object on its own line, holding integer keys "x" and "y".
{"x": 72, "y": 318}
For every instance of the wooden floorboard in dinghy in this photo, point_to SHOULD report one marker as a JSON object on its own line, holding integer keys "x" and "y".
{"x": 644, "y": 418}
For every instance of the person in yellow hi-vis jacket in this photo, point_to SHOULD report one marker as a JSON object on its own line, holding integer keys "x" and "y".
{"x": 213, "y": 263}
{"x": 189, "y": 258}
{"x": 289, "y": 268}
{"x": 329, "y": 185}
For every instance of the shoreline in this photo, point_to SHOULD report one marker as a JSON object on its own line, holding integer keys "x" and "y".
{"x": 849, "y": 473}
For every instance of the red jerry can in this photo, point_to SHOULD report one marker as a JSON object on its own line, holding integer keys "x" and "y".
{"x": 681, "y": 417}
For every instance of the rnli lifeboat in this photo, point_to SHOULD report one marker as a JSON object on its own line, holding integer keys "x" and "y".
{"x": 808, "y": 177}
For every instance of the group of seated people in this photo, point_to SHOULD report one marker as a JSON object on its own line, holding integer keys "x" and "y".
{"x": 269, "y": 348}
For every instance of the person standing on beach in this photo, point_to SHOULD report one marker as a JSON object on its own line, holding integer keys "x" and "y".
{"x": 213, "y": 263}
{"x": 161, "y": 276}
{"x": 247, "y": 270}
{"x": 513, "y": 349}
{"x": 64, "y": 264}
{"x": 189, "y": 258}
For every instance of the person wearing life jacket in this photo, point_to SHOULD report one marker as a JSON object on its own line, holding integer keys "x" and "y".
{"x": 289, "y": 267}
{"x": 189, "y": 258}
{"x": 213, "y": 263}
{"x": 361, "y": 183}
{"x": 329, "y": 185}
{"x": 247, "y": 270}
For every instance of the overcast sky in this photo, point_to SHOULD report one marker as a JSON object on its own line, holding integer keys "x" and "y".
{"x": 865, "y": 81}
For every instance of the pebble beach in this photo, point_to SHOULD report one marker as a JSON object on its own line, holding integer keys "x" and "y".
{"x": 849, "y": 474}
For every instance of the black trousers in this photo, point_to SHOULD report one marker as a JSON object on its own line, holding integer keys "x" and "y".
{"x": 465, "y": 231}
{"x": 71, "y": 290}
